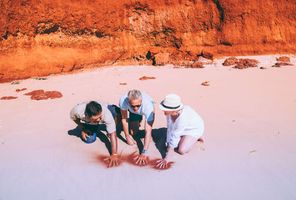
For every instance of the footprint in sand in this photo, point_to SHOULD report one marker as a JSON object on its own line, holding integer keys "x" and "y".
{"x": 253, "y": 151}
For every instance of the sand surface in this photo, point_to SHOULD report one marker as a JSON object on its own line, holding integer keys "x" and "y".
{"x": 249, "y": 150}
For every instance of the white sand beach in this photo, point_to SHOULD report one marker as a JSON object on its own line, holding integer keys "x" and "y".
{"x": 250, "y": 133}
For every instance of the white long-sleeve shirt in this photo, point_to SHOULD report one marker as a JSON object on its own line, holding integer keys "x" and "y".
{"x": 188, "y": 123}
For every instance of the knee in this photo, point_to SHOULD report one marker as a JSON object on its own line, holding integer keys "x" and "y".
{"x": 182, "y": 151}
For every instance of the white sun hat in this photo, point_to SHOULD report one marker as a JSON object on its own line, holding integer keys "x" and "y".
{"x": 171, "y": 102}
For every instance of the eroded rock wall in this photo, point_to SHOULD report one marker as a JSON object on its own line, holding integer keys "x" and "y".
{"x": 38, "y": 38}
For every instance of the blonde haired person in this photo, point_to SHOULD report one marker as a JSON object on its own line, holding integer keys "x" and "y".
{"x": 134, "y": 105}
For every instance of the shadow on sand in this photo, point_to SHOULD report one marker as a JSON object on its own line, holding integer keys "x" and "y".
{"x": 158, "y": 136}
{"x": 102, "y": 137}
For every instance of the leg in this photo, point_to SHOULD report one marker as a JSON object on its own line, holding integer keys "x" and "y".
{"x": 106, "y": 140}
{"x": 89, "y": 129}
{"x": 89, "y": 133}
{"x": 186, "y": 143}
{"x": 134, "y": 126}
{"x": 134, "y": 123}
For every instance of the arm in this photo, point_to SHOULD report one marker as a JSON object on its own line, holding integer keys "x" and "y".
{"x": 113, "y": 139}
{"x": 109, "y": 121}
{"x": 168, "y": 152}
{"x": 163, "y": 163}
{"x": 142, "y": 159}
{"x": 150, "y": 117}
{"x": 148, "y": 134}
{"x": 124, "y": 121}
{"x": 174, "y": 135}
{"x": 113, "y": 160}
{"x": 79, "y": 124}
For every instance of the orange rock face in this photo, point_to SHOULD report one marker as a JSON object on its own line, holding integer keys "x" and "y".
{"x": 38, "y": 38}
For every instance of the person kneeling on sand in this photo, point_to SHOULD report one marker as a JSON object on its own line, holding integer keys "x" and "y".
{"x": 137, "y": 104}
{"x": 93, "y": 117}
{"x": 184, "y": 127}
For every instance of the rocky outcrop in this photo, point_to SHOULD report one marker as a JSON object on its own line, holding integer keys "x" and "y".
{"x": 285, "y": 59}
{"x": 8, "y": 98}
{"x": 242, "y": 63}
{"x": 144, "y": 78}
{"x": 282, "y": 61}
{"x": 44, "y": 95}
{"x": 20, "y": 90}
{"x": 52, "y": 36}
{"x": 246, "y": 63}
{"x": 206, "y": 83}
{"x": 230, "y": 61}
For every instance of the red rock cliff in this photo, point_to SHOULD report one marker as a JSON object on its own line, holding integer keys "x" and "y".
{"x": 52, "y": 36}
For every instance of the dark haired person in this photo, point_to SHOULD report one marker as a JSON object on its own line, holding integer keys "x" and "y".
{"x": 90, "y": 116}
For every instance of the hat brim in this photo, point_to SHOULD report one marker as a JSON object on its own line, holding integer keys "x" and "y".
{"x": 161, "y": 107}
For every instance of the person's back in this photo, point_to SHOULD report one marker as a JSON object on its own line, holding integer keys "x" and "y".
{"x": 89, "y": 116}
{"x": 78, "y": 112}
{"x": 191, "y": 119}
{"x": 184, "y": 127}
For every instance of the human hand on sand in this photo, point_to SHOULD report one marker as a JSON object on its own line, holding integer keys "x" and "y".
{"x": 84, "y": 135}
{"x": 112, "y": 160}
{"x": 162, "y": 164}
{"x": 141, "y": 160}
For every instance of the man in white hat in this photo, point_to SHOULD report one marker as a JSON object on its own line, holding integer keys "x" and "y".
{"x": 184, "y": 127}
{"x": 134, "y": 105}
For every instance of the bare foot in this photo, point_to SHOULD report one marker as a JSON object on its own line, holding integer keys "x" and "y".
{"x": 201, "y": 144}
{"x": 200, "y": 140}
